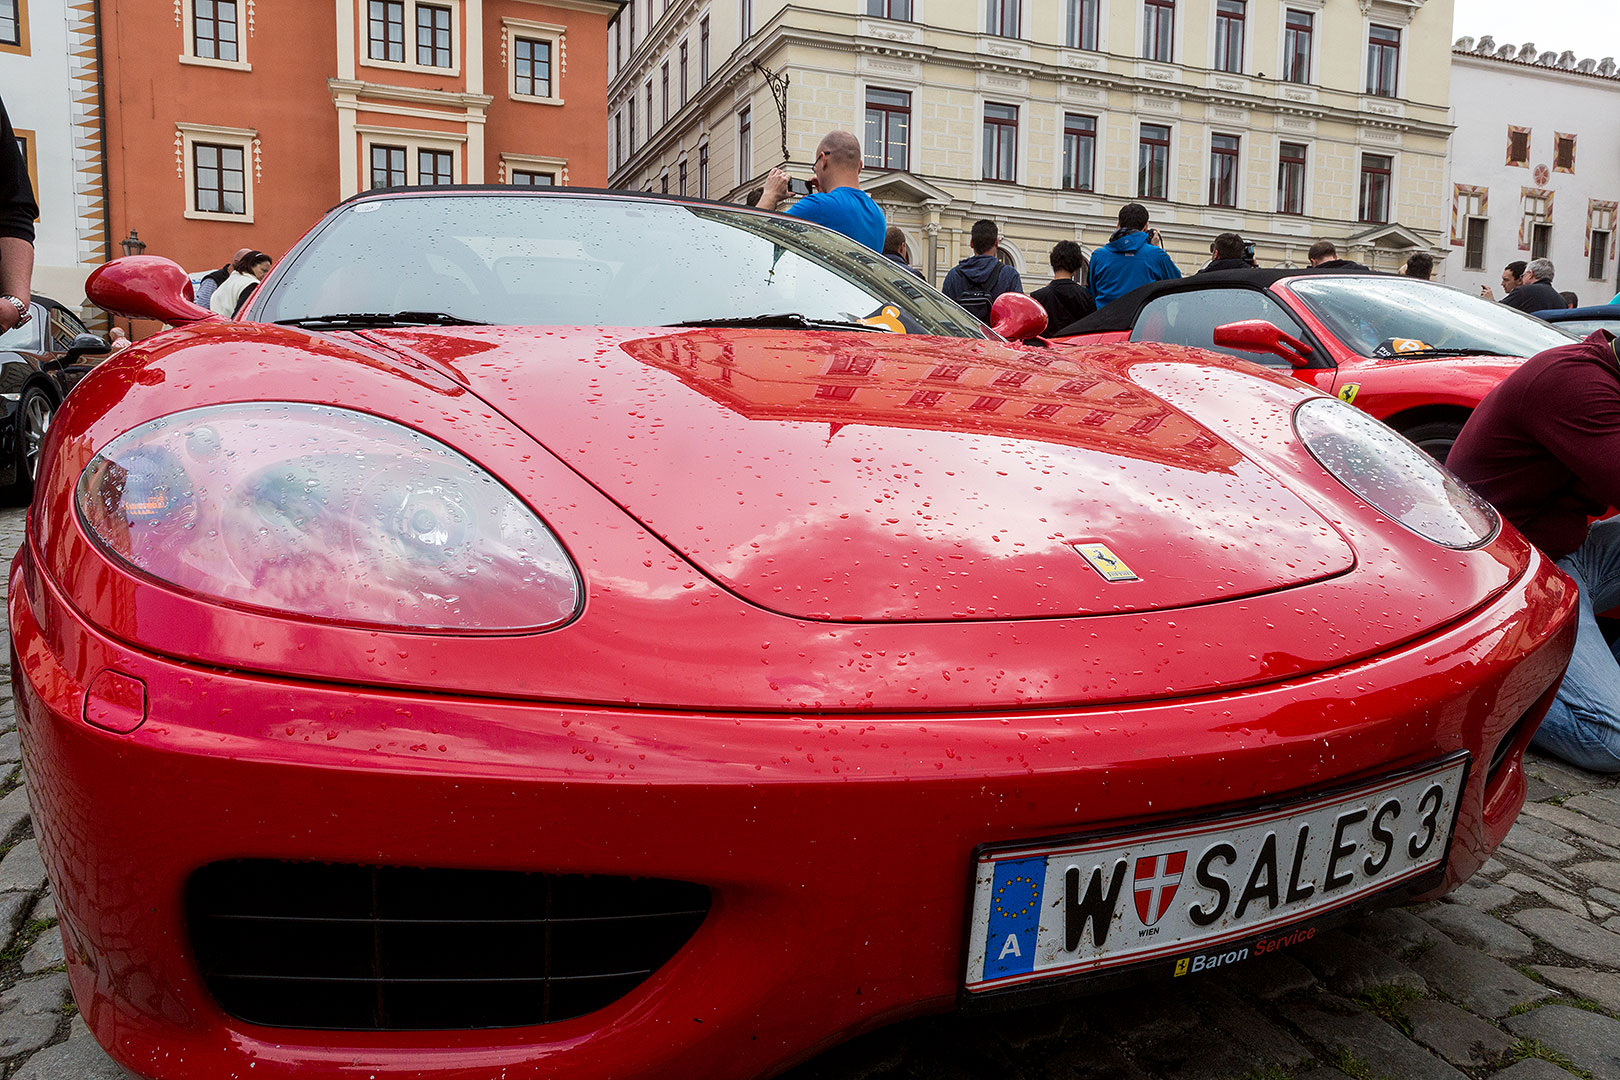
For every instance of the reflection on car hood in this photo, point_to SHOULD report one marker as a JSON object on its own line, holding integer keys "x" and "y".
{"x": 845, "y": 477}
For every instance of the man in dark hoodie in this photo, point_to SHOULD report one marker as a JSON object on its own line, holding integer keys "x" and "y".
{"x": 1129, "y": 260}
{"x": 977, "y": 280}
{"x": 1544, "y": 449}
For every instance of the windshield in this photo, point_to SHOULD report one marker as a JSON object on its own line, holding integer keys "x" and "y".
{"x": 558, "y": 261}
{"x": 1381, "y": 316}
{"x": 1582, "y": 328}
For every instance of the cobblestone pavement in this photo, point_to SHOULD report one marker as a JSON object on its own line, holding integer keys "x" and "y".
{"x": 1516, "y": 976}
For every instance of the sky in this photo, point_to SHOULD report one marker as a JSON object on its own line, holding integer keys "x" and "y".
{"x": 1589, "y": 28}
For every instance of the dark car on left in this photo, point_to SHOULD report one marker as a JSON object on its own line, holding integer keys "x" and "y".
{"x": 40, "y": 361}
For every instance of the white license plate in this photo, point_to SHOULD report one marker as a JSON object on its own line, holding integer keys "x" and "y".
{"x": 1059, "y": 908}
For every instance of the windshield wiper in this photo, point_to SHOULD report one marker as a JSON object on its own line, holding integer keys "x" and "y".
{"x": 377, "y": 320}
{"x": 790, "y": 320}
{"x": 1450, "y": 352}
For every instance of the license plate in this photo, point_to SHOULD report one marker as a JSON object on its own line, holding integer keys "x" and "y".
{"x": 1096, "y": 905}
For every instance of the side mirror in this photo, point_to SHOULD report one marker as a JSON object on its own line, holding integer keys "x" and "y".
{"x": 1260, "y": 336}
{"x": 145, "y": 287}
{"x": 1016, "y": 317}
{"x": 87, "y": 345}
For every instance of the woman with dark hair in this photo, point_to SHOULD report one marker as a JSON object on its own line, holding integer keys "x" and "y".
{"x": 247, "y": 271}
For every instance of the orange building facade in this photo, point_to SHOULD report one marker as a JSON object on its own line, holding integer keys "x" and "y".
{"x": 238, "y": 123}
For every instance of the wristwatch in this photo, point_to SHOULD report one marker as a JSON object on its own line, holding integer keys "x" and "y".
{"x": 23, "y": 314}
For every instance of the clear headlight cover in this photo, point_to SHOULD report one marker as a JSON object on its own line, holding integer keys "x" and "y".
{"x": 1393, "y": 475}
{"x": 315, "y": 511}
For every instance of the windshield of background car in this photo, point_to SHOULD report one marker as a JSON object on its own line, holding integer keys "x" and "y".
{"x": 1366, "y": 312}
{"x": 1582, "y": 328}
{"x": 559, "y": 261}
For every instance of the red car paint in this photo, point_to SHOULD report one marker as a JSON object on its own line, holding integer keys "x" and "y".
{"x": 827, "y": 648}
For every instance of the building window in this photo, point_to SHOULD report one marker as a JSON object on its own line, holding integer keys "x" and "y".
{"x": 681, "y": 72}
{"x": 1047, "y": 411}
{"x": 433, "y": 36}
{"x": 1535, "y": 224}
{"x": 835, "y": 393}
{"x": 1518, "y": 146}
{"x": 1223, "y": 170}
{"x": 1229, "y": 34}
{"x": 618, "y": 138}
{"x": 703, "y": 171}
{"x": 388, "y": 166}
{"x": 890, "y": 9}
{"x": 1298, "y": 29}
{"x": 213, "y": 28}
{"x": 888, "y": 129}
{"x": 745, "y": 145}
{"x": 851, "y": 365}
{"x": 1153, "y": 162}
{"x": 947, "y": 372}
{"x": 1158, "y": 30}
{"x": 1563, "y": 153}
{"x": 703, "y": 51}
{"x": 1540, "y": 239}
{"x": 987, "y": 403}
{"x": 1598, "y": 262}
{"x": 1383, "y": 60}
{"x": 219, "y": 178}
{"x": 13, "y": 21}
{"x": 664, "y": 183}
{"x": 386, "y": 22}
{"x": 1079, "y": 151}
{"x": 925, "y": 399}
{"x": 663, "y": 88}
{"x": 1474, "y": 243}
{"x": 1375, "y": 179}
{"x": 747, "y": 18}
{"x": 680, "y": 172}
{"x": 1000, "y": 142}
{"x": 1291, "y": 178}
{"x": 435, "y": 167}
{"x": 1082, "y": 24}
{"x": 651, "y": 127}
{"x": 531, "y": 69}
{"x": 530, "y": 178}
{"x": 631, "y": 109}
{"x": 1001, "y": 17}
{"x": 631, "y": 14}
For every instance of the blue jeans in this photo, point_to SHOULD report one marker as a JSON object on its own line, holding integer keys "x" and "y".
{"x": 1583, "y": 725}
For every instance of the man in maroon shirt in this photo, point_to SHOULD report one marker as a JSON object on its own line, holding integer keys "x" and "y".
{"x": 1544, "y": 448}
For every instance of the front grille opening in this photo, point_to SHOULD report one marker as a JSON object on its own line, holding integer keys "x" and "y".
{"x": 367, "y": 948}
{"x": 1513, "y": 734}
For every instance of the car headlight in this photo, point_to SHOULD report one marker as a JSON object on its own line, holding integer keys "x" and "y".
{"x": 324, "y": 512}
{"x": 1393, "y": 475}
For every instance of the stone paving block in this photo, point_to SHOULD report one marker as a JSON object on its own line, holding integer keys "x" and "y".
{"x": 1601, "y": 807}
{"x": 1477, "y": 982}
{"x": 1322, "y": 1074}
{"x": 1602, "y": 987}
{"x": 1466, "y": 926}
{"x": 12, "y": 907}
{"x": 1148, "y": 1015}
{"x": 1570, "y": 934}
{"x": 1524, "y": 864}
{"x": 1483, "y": 897}
{"x": 1589, "y": 1040}
{"x": 44, "y": 908}
{"x": 1606, "y": 897}
{"x": 1373, "y": 1041}
{"x": 1265, "y": 1041}
{"x": 13, "y": 810}
{"x": 1566, "y": 778}
{"x": 1493, "y": 868}
{"x": 1579, "y": 824}
{"x": 1461, "y": 1038}
{"x": 1601, "y": 872}
{"x": 1538, "y": 790}
{"x": 1268, "y": 978}
{"x": 1538, "y": 845}
{"x": 1395, "y": 931}
{"x": 30, "y": 1013}
{"x": 1612, "y": 924}
{"x": 77, "y": 1059}
{"x": 45, "y": 953}
{"x": 1533, "y": 1069}
{"x": 1568, "y": 901}
{"x": 1352, "y": 967}
{"x": 10, "y": 750}
{"x": 22, "y": 869}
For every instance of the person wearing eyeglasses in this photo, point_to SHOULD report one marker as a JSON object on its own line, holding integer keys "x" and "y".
{"x": 838, "y": 201}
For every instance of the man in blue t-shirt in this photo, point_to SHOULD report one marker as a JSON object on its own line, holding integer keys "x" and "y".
{"x": 838, "y": 203}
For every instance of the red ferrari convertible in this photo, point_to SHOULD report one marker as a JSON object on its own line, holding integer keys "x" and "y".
{"x": 1417, "y": 355}
{"x": 569, "y": 633}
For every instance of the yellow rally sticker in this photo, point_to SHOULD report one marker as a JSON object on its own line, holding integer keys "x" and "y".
{"x": 1349, "y": 391}
{"x": 1105, "y": 562}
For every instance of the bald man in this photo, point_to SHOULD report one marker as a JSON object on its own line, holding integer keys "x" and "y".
{"x": 838, "y": 202}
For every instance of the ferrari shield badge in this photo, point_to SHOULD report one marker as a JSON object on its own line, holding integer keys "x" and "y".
{"x": 1348, "y": 392}
{"x": 1105, "y": 562}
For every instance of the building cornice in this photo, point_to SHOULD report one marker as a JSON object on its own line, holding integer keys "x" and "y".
{"x": 352, "y": 89}
{"x": 1531, "y": 68}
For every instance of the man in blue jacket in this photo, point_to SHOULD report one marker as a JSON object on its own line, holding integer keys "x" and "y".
{"x": 1129, "y": 260}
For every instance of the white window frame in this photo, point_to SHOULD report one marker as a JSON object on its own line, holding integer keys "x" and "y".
{"x": 246, "y": 138}
{"x": 1306, "y": 209}
{"x": 1171, "y": 158}
{"x": 1178, "y": 31}
{"x": 188, "y": 42}
{"x": 1102, "y": 27}
{"x": 1240, "y": 179}
{"x": 457, "y": 39}
{"x": 412, "y": 140}
{"x": 1060, "y": 121}
{"x": 533, "y": 163}
{"x": 1021, "y": 135}
{"x": 511, "y": 30}
{"x": 1246, "y": 58}
{"x": 1314, "y": 9}
{"x": 1402, "y": 56}
{"x": 1394, "y": 182}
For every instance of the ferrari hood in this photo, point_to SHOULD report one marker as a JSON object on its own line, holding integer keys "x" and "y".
{"x": 876, "y": 478}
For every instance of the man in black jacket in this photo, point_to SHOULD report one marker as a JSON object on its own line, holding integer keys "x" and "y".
{"x": 1324, "y": 256}
{"x": 1226, "y": 252}
{"x": 17, "y": 213}
{"x": 1538, "y": 293}
{"x": 977, "y": 280}
{"x": 1064, "y": 300}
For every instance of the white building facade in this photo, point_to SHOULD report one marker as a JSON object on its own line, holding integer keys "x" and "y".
{"x": 1534, "y": 168}
{"x": 49, "y": 82}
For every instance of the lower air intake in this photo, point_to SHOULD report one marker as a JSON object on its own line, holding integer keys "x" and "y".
{"x": 362, "y": 948}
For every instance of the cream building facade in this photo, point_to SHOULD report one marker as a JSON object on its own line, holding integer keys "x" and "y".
{"x": 1284, "y": 120}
